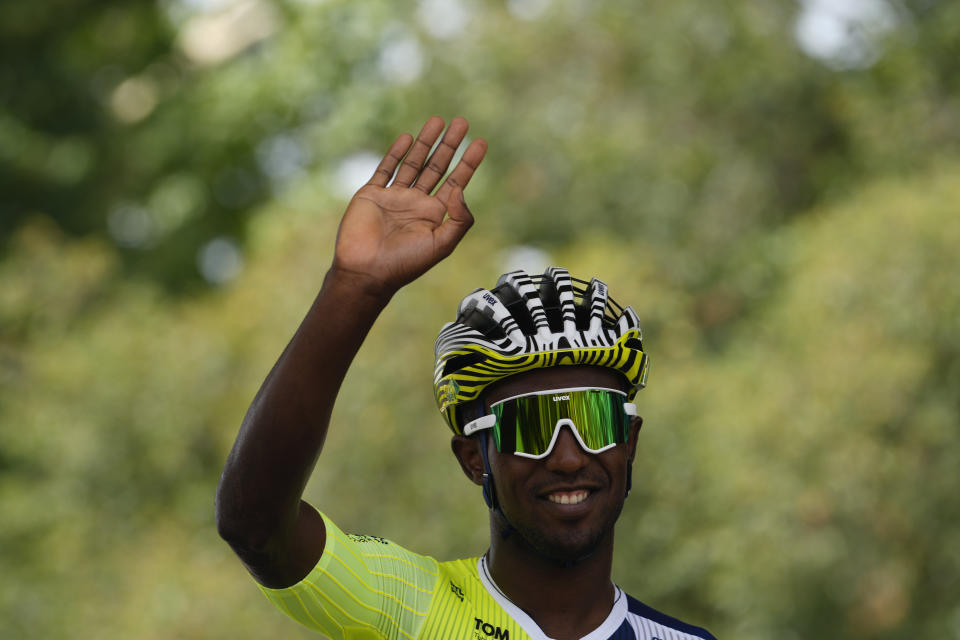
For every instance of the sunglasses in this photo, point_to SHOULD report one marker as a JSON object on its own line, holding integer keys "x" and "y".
{"x": 529, "y": 425}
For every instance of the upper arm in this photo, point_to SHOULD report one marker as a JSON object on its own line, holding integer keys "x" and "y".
{"x": 287, "y": 562}
{"x": 362, "y": 587}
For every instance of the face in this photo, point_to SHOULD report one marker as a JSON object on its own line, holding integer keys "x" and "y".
{"x": 565, "y": 505}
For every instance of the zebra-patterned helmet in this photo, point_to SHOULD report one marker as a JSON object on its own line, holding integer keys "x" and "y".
{"x": 529, "y": 323}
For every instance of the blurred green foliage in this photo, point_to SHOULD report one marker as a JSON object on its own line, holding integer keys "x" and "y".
{"x": 782, "y": 218}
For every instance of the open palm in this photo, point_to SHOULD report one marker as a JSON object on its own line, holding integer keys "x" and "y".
{"x": 392, "y": 234}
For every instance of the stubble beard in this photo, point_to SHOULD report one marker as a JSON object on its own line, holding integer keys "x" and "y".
{"x": 564, "y": 547}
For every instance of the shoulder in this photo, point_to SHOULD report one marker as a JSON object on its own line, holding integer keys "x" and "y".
{"x": 383, "y": 558}
{"x": 640, "y": 612}
{"x": 362, "y": 582}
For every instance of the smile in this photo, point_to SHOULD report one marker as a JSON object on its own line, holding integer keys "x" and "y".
{"x": 568, "y": 497}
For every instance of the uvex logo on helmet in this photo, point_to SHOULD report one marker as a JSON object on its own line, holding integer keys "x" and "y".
{"x": 559, "y": 398}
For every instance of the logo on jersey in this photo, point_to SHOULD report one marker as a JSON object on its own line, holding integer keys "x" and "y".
{"x": 361, "y": 538}
{"x": 491, "y": 631}
{"x": 457, "y": 591}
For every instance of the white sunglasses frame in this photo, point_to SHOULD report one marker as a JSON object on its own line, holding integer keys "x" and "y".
{"x": 490, "y": 420}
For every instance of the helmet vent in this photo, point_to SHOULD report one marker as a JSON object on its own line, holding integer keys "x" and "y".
{"x": 459, "y": 362}
{"x": 582, "y": 312}
{"x": 482, "y": 322}
{"x": 517, "y": 307}
{"x": 550, "y": 298}
{"x": 584, "y": 299}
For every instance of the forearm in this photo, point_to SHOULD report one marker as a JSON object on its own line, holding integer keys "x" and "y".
{"x": 258, "y": 500}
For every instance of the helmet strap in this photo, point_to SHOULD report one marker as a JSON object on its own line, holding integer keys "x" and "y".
{"x": 629, "y": 478}
{"x": 489, "y": 490}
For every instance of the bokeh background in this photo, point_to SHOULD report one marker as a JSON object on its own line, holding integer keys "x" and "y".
{"x": 772, "y": 185}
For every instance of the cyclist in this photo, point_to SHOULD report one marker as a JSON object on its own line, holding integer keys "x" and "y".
{"x": 535, "y": 378}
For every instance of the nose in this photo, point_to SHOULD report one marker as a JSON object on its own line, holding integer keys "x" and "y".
{"x": 567, "y": 455}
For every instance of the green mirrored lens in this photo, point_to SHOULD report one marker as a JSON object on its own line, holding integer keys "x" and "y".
{"x": 526, "y": 424}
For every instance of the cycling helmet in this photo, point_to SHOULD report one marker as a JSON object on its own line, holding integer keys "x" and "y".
{"x": 533, "y": 322}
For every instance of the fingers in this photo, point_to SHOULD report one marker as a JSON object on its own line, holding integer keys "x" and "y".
{"x": 410, "y": 168}
{"x": 440, "y": 159}
{"x": 461, "y": 174}
{"x": 458, "y": 222}
{"x": 390, "y": 161}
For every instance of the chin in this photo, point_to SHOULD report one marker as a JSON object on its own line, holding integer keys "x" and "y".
{"x": 566, "y": 551}
{"x": 567, "y": 545}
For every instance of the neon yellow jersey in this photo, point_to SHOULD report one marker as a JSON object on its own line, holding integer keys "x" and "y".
{"x": 368, "y": 588}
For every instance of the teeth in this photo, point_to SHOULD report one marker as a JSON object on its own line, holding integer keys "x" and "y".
{"x": 572, "y": 497}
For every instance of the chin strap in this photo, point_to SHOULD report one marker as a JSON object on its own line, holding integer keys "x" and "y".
{"x": 629, "y": 478}
{"x": 489, "y": 491}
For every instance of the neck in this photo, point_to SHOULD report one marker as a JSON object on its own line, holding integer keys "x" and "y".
{"x": 565, "y": 599}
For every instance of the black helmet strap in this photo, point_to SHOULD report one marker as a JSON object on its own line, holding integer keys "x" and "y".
{"x": 489, "y": 490}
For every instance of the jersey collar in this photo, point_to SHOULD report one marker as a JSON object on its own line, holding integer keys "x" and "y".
{"x": 618, "y": 612}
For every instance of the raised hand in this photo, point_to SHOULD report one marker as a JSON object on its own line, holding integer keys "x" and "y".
{"x": 392, "y": 234}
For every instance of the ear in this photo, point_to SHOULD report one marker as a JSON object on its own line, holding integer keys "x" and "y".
{"x": 635, "y": 423}
{"x": 467, "y": 451}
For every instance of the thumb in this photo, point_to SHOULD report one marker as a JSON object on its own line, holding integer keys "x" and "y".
{"x": 459, "y": 220}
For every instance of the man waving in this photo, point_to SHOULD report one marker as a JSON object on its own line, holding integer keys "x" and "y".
{"x": 535, "y": 377}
